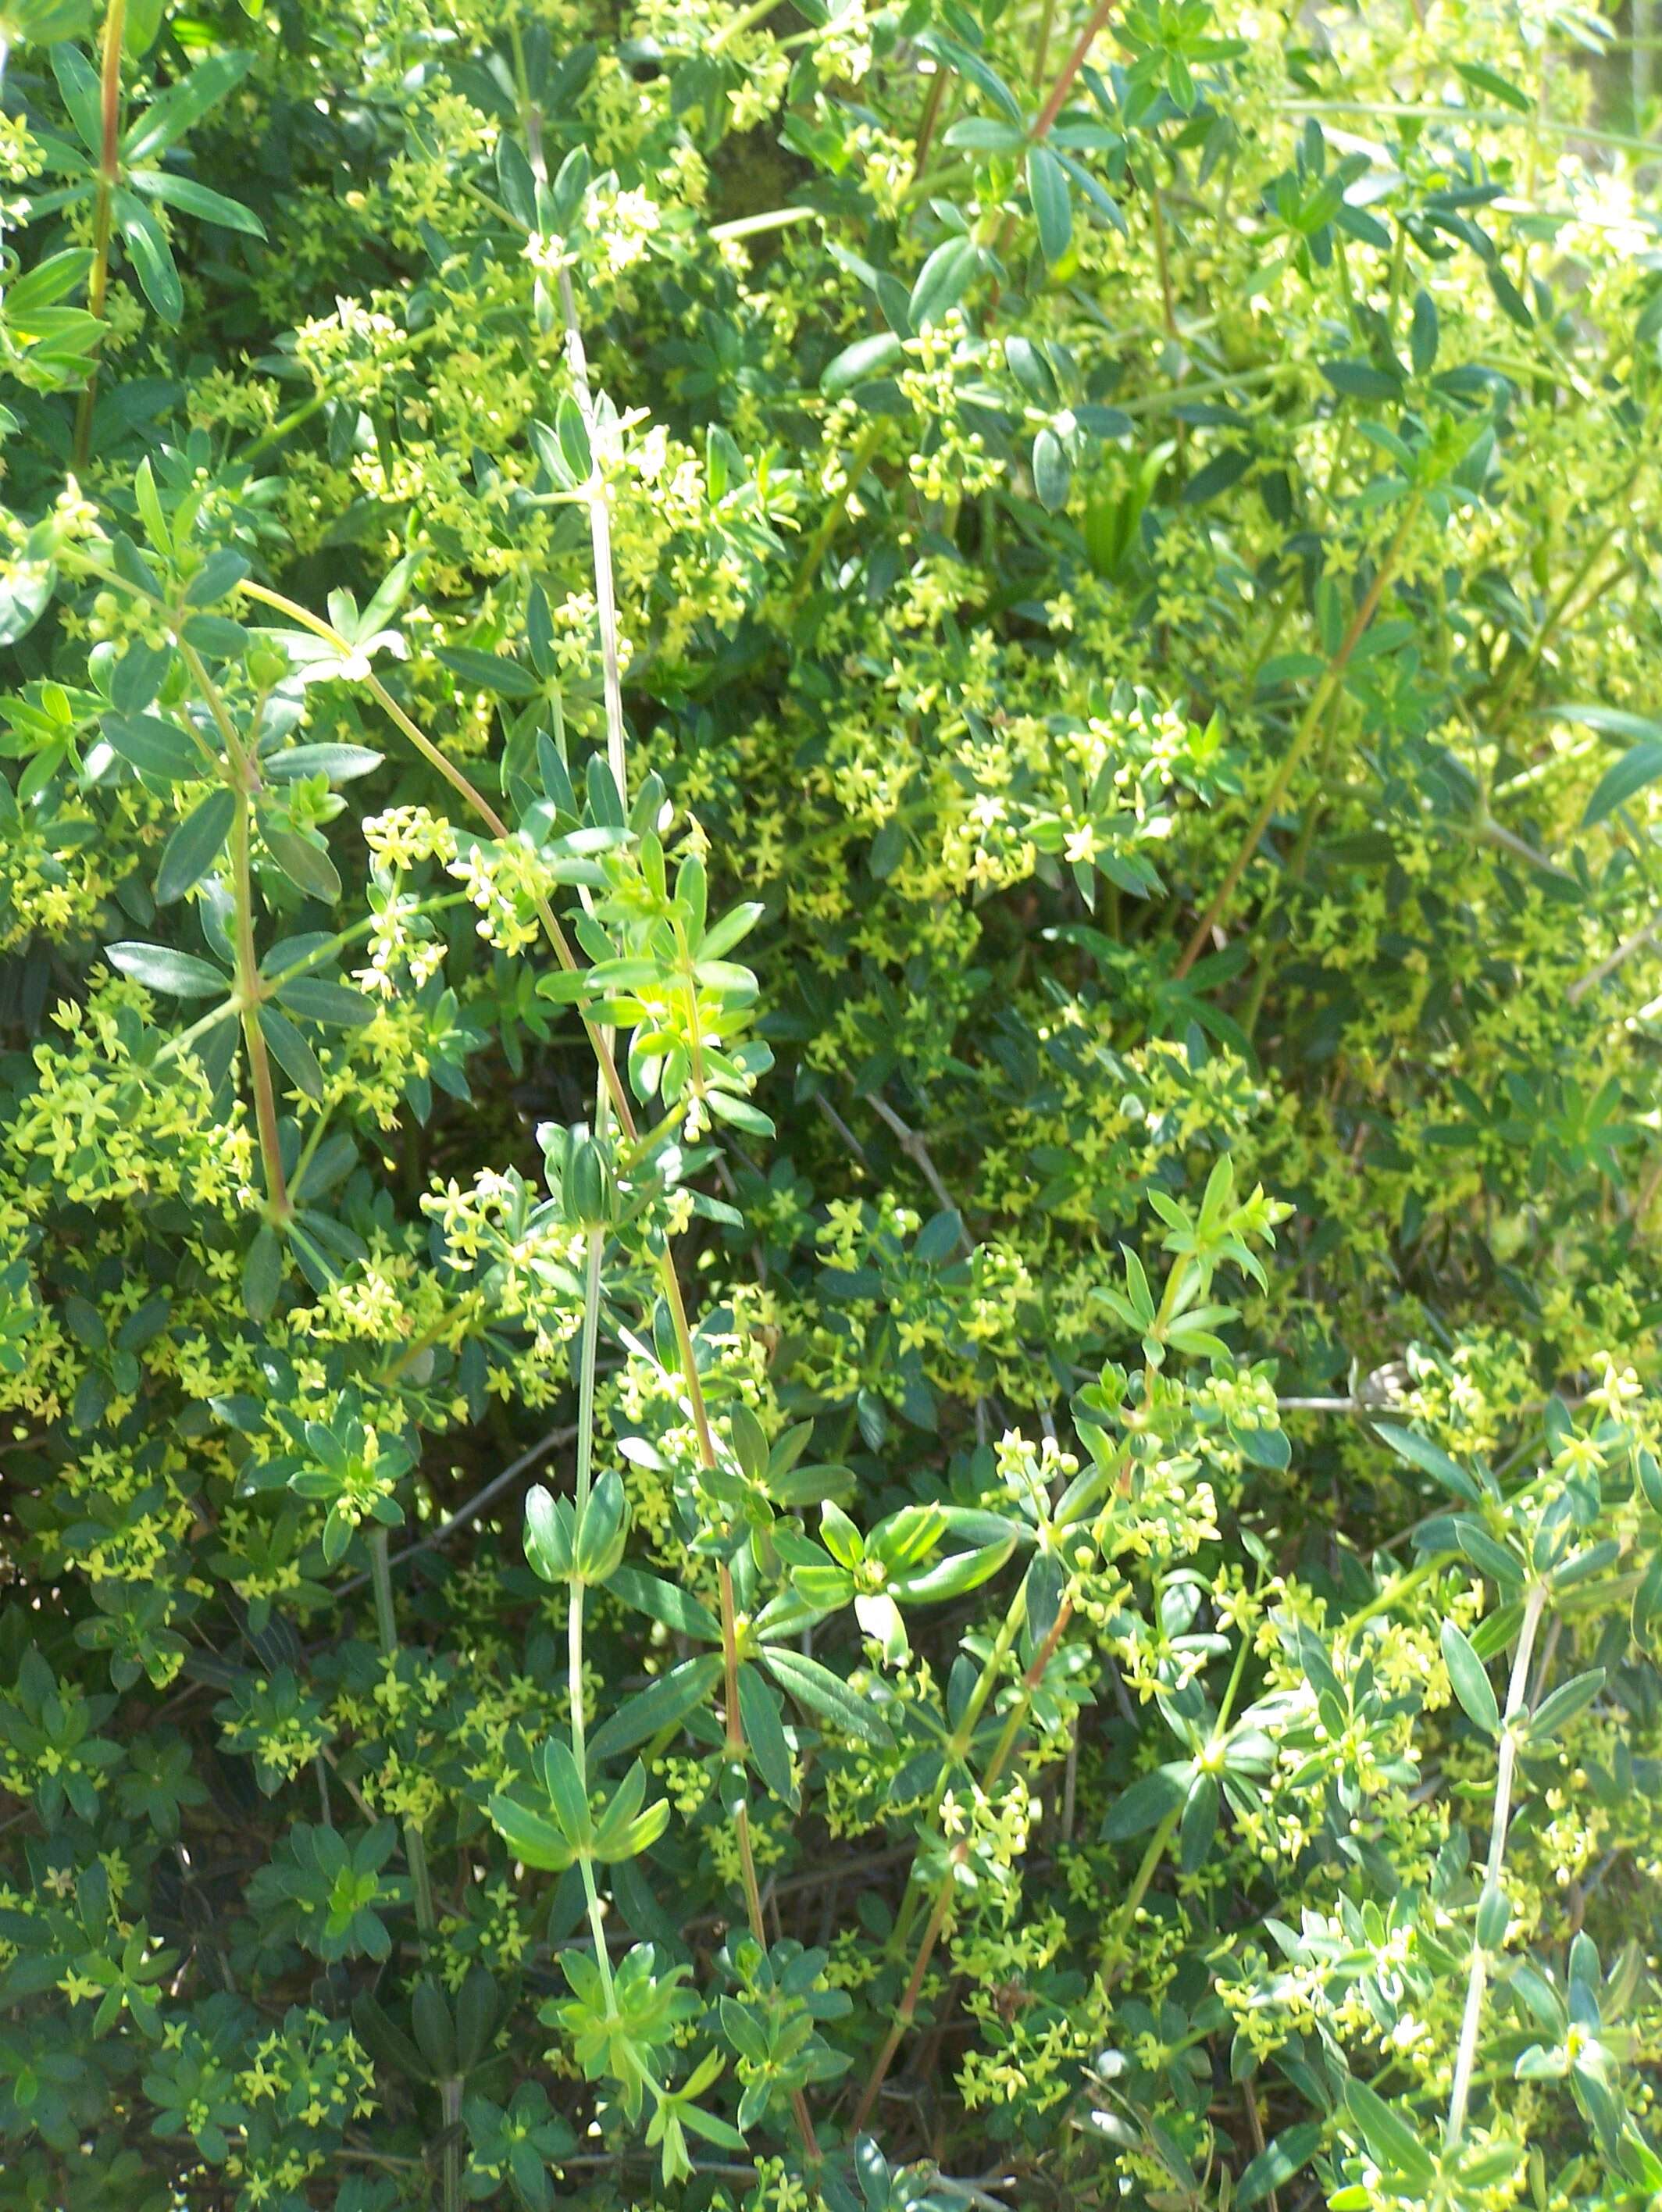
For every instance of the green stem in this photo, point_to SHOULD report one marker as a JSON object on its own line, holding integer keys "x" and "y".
{"x": 250, "y": 990}
{"x": 386, "y": 1624}
{"x": 109, "y": 172}
{"x": 1120, "y": 1924}
{"x": 904, "y": 2012}
{"x": 1314, "y": 713}
{"x": 1477, "y": 1974}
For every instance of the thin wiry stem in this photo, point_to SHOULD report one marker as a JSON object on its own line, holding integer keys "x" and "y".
{"x": 1477, "y": 1973}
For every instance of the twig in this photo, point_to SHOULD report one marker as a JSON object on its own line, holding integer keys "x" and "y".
{"x": 1607, "y": 967}
{"x": 476, "y": 1505}
{"x": 917, "y": 1151}
{"x": 842, "y": 1129}
{"x": 1070, "y": 69}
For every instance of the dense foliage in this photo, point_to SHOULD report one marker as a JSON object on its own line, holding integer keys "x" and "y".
{"x": 828, "y": 1135}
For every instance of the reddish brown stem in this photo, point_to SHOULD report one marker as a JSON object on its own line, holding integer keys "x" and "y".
{"x": 1070, "y": 69}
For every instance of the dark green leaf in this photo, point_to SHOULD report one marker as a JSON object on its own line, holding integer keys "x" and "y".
{"x": 292, "y": 1053}
{"x": 827, "y": 1694}
{"x": 1052, "y": 205}
{"x": 1278, "y": 2162}
{"x": 1637, "y": 768}
{"x": 649, "y": 1712}
{"x": 160, "y": 968}
{"x": 943, "y": 280}
{"x": 334, "y": 1003}
{"x": 677, "y": 1608}
{"x": 157, "y": 748}
{"x": 765, "y": 1734}
{"x": 491, "y": 671}
{"x": 1147, "y": 1801}
{"x": 167, "y": 119}
{"x": 194, "y": 199}
{"x": 307, "y": 865}
{"x": 1471, "y": 1682}
{"x": 152, "y": 257}
{"x": 195, "y": 845}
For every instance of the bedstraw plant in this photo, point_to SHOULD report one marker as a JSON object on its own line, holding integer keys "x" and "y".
{"x": 829, "y": 1144}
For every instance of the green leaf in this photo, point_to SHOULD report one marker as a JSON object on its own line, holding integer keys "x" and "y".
{"x": 858, "y": 363}
{"x": 1052, "y": 205}
{"x": 1148, "y": 1800}
{"x": 156, "y": 748}
{"x": 152, "y": 257}
{"x": 157, "y": 528}
{"x": 1052, "y": 472}
{"x": 1198, "y": 1824}
{"x": 194, "y": 199}
{"x": 1488, "y": 80}
{"x": 262, "y": 1273}
{"x": 954, "y": 1577}
{"x": 307, "y": 865}
{"x": 1356, "y": 379}
{"x": 1560, "y": 1708}
{"x": 49, "y": 281}
{"x": 573, "y": 432}
{"x": 677, "y": 1608}
{"x": 77, "y": 81}
{"x": 943, "y": 280}
{"x": 1471, "y": 1682}
{"x": 333, "y": 1004}
{"x": 218, "y": 575}
{"x": 765, "y": 1734}
{"x": 516, "y": 180}
{"x": 1423, "y": 334}
{"x": 1391, "y": 2140}
{"x": 339, "y": 763}
{"x": 827, "y": 1694}
{"x": 195, "y": 845}
{"x": 734, "y": 926}
{"x": 160, "y": 968}
{"x": 1278, "y": 2162}
{"x": 182, "y": 105}
{"x": 1502, "y": 1567}
{"x": 144, "y": 21}
{"x": 650, "y": 1711}
{"x": 1419, "y": 1451}
{"x": 1636, "y": 768}
{"x": 292, "y": 1053}
{"x": 738, "y": 1112}
{"x": 491, "y": 671}
{"x": 533, "y": 1840}
{"x": 1608, "y": 721}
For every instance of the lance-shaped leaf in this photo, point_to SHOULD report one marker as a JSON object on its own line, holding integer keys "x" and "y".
{"x": 1470, "y": 1680}
{"x": 827, "y": 1694}
{"x": 651, "y": 1711}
